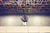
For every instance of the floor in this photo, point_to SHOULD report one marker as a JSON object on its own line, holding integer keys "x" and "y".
{"x": 36, "y": 24}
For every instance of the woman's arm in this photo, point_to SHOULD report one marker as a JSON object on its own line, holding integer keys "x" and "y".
{"x": 27, "y": 20}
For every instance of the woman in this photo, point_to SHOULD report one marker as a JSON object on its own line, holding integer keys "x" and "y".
{"x": 24, "y": 19}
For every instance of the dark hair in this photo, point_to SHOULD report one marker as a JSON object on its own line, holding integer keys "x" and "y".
{"x": 25, "y": 16}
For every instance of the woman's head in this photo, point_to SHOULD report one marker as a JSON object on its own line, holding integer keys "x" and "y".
{"x": 24, "y": 16}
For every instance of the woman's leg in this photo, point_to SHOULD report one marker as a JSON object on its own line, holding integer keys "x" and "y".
{"x": 25, "y": 23}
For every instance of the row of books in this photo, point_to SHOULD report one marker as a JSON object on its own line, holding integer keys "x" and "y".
{"x": 24, "y": 3}
{"x": 24, "y": 0}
